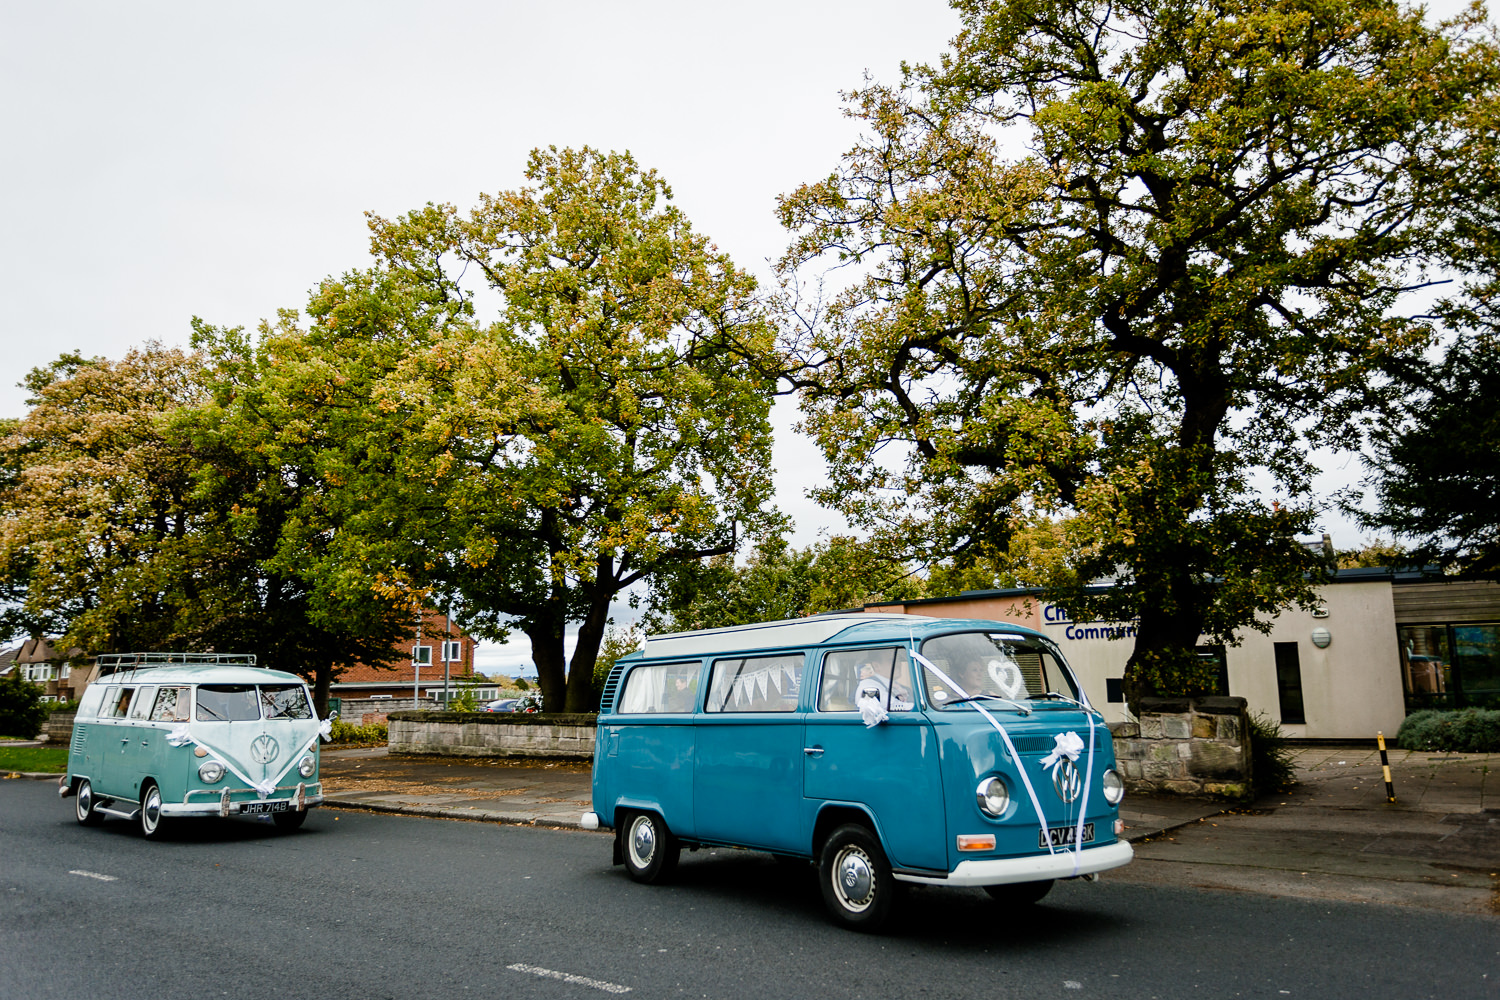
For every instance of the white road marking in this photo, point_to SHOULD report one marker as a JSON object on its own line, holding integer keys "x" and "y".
{"x": 568, "y": 977}
{"x": 102, "y": 878}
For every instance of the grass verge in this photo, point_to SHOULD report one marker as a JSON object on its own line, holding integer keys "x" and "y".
{"x": 48, "y": 759}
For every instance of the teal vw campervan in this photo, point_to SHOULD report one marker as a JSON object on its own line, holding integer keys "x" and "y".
{"x": 884, "y": 748}
{"x": 164, "y": 735}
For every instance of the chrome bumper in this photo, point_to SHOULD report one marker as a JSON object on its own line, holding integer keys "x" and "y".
{"x": 1036, "y": 868}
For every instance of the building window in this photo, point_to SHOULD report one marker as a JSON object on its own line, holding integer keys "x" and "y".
{"x": 1114, "y": 690}
{"x": 1289, "y": 682}
{"x": 1215, "y": 657}
{"x": 421, "y": 655}
{"x": 1450, "y": 666}
{"x": 453, "y": 652}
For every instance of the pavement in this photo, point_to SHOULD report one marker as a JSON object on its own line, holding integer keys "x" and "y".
{"x": 1333, "y": 836}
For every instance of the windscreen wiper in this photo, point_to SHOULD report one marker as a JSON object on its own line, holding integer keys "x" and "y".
{"x": 991, "y": 697}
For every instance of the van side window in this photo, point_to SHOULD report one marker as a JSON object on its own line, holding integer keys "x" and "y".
{"x": 884, "y": 674}
{"x": 119, "y": 701}
{"x": 660, "y": 688}
{"x": 755, "y": 684}
{"x": 171, "y": 705}
{"x": 142, "y": 705}
{"x": 93, "y": 698}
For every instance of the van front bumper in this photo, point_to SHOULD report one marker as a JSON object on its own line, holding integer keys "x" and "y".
{"x": 1037, "y": 868}
{"x": 203, "y": 802}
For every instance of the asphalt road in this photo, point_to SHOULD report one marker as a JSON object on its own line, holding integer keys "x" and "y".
{"x": 368, "y": 906}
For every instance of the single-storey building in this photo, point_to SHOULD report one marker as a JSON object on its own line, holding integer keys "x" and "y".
{"x": 1380, "y": 645}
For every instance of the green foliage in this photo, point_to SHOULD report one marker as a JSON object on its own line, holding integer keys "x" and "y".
{"x": 777, "y": 582}
{"x": 610, "y": 419}
{"x": 145, "y": 511}
{"x": 523, "y": 684}
{"x": 1471, "y": 730}
{"x": 617, "y": 643}
{"x": 347, "y": 733}
{"x": 464, "y": 699}
{"x": 1165, "y": 300}
{"x": 62, "y": 707}
{"x": 1437, "y": 464}
{"x": 37, "y": 760}
{"x": 1381, "y": 553}
{"x": 22, "y": 711}
{"x": 1271, "y": 765}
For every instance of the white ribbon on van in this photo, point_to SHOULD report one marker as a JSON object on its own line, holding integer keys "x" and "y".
{"x": 1067, "y": 746}
{"x": 180, "y": 736}
{"x": 1005, "y": 737}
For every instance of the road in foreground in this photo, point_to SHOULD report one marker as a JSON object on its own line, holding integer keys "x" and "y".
{"x": 366, "y": 906}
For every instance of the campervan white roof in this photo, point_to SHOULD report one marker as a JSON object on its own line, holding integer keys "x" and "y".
{"x": 790, "y": 632}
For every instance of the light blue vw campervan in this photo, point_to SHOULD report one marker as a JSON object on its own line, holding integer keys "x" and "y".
{"x": 885, "y": 748}
{"x": 163, "y": 735}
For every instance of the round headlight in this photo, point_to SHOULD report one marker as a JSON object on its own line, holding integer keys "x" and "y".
{"x": 1114, "y": 787}
{"x": 993, "y": 797}
{"x": 211, "y": 771}
{"x": 307, "y": 766}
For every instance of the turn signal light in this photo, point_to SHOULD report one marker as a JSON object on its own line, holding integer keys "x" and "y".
{"x": 976, "y": 841}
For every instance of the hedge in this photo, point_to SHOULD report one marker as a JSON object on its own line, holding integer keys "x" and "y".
{"x": 1469, "y": 730}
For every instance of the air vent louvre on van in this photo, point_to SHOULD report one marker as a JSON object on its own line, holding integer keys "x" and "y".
{"x": 611, "y": 687}
{"x": 1034, "y": 744}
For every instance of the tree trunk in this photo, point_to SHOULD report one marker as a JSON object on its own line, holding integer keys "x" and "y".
{"x": 322, "y": 679}
{"x": 551, "y": 664}
{"x": 582, "y": 696}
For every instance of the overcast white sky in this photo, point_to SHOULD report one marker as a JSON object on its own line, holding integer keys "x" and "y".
{"x": 167, "y": 160}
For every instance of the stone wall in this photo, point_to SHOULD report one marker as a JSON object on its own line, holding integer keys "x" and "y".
{"x": 493, "y": 734}
{"x": 59, "y": 728}
{"x": 1187, "y": 746}
{"x": 365, "y": 711}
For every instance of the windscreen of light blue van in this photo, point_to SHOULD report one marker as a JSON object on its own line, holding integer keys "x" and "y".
{"x": 986, "y": 664}
{"x": 285, "y": 701}
{"x": 227, "y": 703}
{"x": 660, "y": 688}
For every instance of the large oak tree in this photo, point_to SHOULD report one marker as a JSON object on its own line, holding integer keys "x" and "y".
{"x": 1126, "y": 264}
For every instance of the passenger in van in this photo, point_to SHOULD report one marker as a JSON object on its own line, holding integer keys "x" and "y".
{"x": 682, "y": 694}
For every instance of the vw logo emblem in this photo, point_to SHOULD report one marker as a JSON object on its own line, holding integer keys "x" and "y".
{"x": 264, "y": 749}
{"x": 1066, "y": 780}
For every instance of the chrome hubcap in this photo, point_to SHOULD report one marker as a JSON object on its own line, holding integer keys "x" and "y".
{"x": 85, "y": 800}
{"x": 151, "y": 811}
{"x": 643, "y": 841}
{"x": 852, "y": 878}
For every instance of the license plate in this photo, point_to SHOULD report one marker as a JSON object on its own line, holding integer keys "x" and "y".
{"x": 1063, "y": 836}
{"x": 281, "y": 807}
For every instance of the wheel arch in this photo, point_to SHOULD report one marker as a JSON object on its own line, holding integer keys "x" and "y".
{"x": 834, "y": 815}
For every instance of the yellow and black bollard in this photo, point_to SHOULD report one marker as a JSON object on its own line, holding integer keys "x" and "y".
{"x": 1385, "y": 767}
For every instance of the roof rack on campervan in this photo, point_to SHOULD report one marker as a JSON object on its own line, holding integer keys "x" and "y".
{"x": 111, "y": 662}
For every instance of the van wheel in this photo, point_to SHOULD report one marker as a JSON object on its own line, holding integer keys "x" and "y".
{"x": 289, "y": 820}
{"x": 650, "y": 850}
{"x": 856, "y": 878}
{"x": 84, "y": 802}
{"x": 1019, "y": 893}
{"x": 152, "y": 821}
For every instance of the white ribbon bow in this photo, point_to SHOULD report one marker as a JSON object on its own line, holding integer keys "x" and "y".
{"x": 325, "y": 729}
{"x": 1068, "y": 745}
{"x": 870, "y": 696}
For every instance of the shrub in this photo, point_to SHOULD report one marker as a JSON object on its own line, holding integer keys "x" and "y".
{"x": 22, "y": 711}
{"x": 1271, "y": 767}
{"x": 1468, "y": 730}
{"x": 348, "y": 732}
